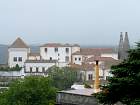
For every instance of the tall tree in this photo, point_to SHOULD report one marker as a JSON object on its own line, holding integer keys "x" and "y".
{"x": 124, "y": 86}
{"x": 62, "y": 78}
{"x": 29, "y": 91}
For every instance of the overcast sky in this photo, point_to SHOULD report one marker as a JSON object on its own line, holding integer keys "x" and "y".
{"x": 94, "y": 22}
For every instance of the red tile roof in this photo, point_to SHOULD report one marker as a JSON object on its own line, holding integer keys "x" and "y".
{"x": 59, "y": 45}
{"x": 83, "y": 66}
{"x": 19, "y": 43}
{"x": 33, "y": 54}
{"x": 99, "y": 58}
{"x": 93, "y": 51}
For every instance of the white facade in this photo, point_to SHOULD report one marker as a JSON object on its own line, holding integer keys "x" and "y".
{"x": 53, "y": 54}
{"x": 77, "y": 59}
{"x": 62, "y": 54}
{"x": 17, "y": 56}
{"x": 112, "y": 55}
{"x": 90, "y": 74}
{"x": 34, "y": 68}
{"x": 30, "y": 57}
{"x": 75, "y": 49}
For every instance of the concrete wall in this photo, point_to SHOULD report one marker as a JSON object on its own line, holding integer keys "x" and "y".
{"x": 74, "y": 99}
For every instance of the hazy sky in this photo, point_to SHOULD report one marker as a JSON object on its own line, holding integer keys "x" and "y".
{"x": 96, "y": 22}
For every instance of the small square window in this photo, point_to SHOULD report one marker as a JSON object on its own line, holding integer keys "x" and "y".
{"x": 67, "y": 50}
{"x": 20, "y": 59}
{"x": 45, "y": 49}
{"x": 50, "y": 58}
{"x": 56, "y": 49}
{"x": 36, "y": 69}
{"x": 15, "y": 59}
{"x": 31, "y": 69}
{"x": 90, "y": 77}
{"x": 43, "y": 69}
{"x": 67, "y": 58}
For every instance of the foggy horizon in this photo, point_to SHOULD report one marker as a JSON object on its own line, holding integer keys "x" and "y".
{"x": 85, "y": 22}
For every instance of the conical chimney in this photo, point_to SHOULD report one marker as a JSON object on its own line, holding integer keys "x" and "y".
{"x": 120, "y": 49}
{"x": 126, "y": 45}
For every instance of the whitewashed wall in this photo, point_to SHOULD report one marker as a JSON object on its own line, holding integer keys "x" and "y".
{"x": 34, "y": 58}
{"x": 60, "y": 55}
{"x": 75, "y": 59}
{"x": 39, "y": 65}
{"x": 17, "y": 52}
{"x": 113, "y": 55}
{"x": 75, "y": 49}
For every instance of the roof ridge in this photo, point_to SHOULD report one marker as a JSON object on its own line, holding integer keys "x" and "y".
{"x": 18, "y": 43}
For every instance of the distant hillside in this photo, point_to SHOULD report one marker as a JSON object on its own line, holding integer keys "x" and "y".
{"x": 3, "y": 54}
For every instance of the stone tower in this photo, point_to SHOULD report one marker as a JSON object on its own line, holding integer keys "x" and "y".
{"x": 120, "y": 49}
{"x": 126, "y": 46}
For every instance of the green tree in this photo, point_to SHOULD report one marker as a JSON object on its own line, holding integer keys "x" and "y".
{"x": 16, "y": 68}
{"x": 62, "y": 78}
{"x": 124, "y": 86}
{"x": 30, "y": 91}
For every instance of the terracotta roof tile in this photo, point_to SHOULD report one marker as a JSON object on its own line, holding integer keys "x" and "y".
{"x": 19, "y": 43}
{"x": 93, "y": 51}
{"x": 108, "y": 61}
{"x": 33, "y": 54}
{"x": 83, "y": 66}
{"x": 99, "y": 58}
{"x": 59, "y": 45}
{"x": 56, "y": 45}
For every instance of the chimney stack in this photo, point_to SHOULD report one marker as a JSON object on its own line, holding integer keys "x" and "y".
{"x": 120, "y": 49}
{"x": 123, "y": 46}
{"x": 97, "y": 81}
{"x": 126, "y": 45}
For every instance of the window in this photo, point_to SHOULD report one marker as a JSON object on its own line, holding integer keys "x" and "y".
{"x": 36, "y": 69}
{"x": 67, "y": 58}
{"x": 15, "y": 59}
{"x": 79, "y": 59}
{"x": 43, "y": 69}
{"x": 58, "y": 54}
{"x": 56, "y": 49}
{"x": 45, "y": 49}
{"x": 75, "y": 59}
{"x": 90, "y": 76}
{"x": 31, "y": 69}
{"x": 67, "y": 50}
{"x": 81, "y": 76}
{"x": 20, "y": 59}
{"x": 50, "y": 58}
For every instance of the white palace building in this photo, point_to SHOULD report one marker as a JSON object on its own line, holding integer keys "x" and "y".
{"x": 60, "y": 55}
